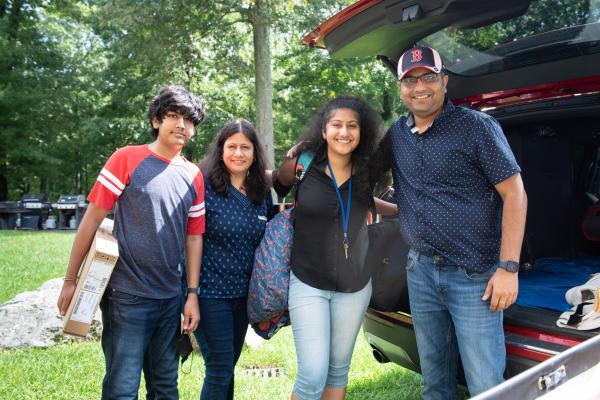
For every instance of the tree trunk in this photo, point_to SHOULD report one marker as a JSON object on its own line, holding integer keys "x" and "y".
{"x": 2, "y": 8}
{"x": 14, "y": 19}
{"x": 387, "y": 106}
{"x": 3, "y": 186}
{"x": 261, "y": 26}
{"x": 43, "y": 184}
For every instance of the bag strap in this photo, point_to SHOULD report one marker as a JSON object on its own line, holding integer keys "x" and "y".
{"x": 303, "y": 163}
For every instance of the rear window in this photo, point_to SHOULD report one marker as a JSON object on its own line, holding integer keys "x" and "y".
{"x": 549, "y": 30}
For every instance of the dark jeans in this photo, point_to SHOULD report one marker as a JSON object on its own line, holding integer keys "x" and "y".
{"x": 139, "y": 331}
{"x": 150, "y": 392}
{"x": 220, "y": 335}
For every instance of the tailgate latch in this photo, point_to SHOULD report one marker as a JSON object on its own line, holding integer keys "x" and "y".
{"x": 553, "y": 379}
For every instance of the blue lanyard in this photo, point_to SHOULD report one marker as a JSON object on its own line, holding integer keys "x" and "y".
{"x": 345, "y": 215}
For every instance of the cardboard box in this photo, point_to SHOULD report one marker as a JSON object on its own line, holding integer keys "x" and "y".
{"x": 92, "y": 280}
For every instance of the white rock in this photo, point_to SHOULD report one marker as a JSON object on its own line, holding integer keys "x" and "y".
{"x": 31, "y": 319}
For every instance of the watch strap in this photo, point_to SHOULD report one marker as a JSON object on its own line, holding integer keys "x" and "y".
{"x": 509, "y": 265}
{"x": 195, "y": 290}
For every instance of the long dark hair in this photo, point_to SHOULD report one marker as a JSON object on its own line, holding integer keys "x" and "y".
{"x": 216, "y": 173}
{"x": 369, "y": 123}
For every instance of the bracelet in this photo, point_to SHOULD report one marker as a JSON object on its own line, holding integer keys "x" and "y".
{"x": 69, "y": 279}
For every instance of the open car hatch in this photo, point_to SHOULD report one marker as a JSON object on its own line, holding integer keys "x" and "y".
{"x": 490, "y": 65}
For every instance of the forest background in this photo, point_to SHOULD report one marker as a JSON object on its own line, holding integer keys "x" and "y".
{"x": 76, "y": 78}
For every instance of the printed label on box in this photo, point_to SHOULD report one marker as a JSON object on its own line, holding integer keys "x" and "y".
{"x": 85, "y": 307}
{"x": 97, "y": 276}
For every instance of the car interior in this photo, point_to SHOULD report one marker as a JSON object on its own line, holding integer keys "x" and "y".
{"x": 557, "y": 145}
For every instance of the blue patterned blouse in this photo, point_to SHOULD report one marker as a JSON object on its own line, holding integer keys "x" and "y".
{"x": 234, "y": 228}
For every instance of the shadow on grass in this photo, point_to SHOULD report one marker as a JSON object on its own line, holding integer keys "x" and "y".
{"x": 395, "y": 383}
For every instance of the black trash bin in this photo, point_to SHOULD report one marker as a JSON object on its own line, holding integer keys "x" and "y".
{"x": 34, "y": 209}
{"x": 70, "y": 207}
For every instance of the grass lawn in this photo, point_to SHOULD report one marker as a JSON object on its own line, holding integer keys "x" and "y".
{"x": 30, "y": 258}
{"x": 75, "y": 371}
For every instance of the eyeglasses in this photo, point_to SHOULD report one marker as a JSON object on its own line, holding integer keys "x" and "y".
{"x": 426, "y": 79}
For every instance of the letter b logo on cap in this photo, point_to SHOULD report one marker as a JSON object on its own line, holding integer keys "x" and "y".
{"x": 417, "y": 55}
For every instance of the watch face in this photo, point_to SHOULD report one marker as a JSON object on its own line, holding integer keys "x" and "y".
{"x": 510, "y": 266}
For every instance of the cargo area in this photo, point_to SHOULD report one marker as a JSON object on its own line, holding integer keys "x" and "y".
{"x": 557, "y": 145}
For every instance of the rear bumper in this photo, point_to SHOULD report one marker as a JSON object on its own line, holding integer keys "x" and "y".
{"x": 392, "y": 335}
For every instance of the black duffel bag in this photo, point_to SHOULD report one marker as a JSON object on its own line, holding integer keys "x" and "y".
{"x": 387, "y": 260}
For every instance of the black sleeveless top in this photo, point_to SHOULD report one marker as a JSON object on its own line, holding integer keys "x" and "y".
{"x": 318, "y": 257}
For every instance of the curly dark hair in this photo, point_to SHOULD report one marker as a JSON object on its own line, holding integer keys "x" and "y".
{"x": 176, "y": 99}
{"x": 370, "y": 125}
{"x": 214, "y": 169}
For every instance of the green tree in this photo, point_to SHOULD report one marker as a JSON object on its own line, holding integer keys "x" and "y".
{"x": 76, "y": 78}
{"x": 40, "y": 78}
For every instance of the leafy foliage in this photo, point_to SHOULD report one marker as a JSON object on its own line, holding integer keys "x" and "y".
{"x": 76, "y": 78}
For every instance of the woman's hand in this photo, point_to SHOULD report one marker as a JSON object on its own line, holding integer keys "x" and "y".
{"x": 385, "y": 207}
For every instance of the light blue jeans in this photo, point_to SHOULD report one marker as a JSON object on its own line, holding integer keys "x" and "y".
{"x": 325, "y": 325}
{"x": 450, "y": 318}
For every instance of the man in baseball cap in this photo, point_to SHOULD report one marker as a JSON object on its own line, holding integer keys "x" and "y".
{"x": 425, "y": 101}
{"x": 461, "y": 208}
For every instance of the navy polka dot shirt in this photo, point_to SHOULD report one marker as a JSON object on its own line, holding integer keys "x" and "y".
{"x": 444, "y": 183}
{"x": 234, "y": 228}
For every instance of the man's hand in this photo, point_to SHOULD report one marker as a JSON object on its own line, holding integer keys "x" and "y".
{"x": 297, "y": 149}
{"x": 191, "y": 314}
{"x": 503, "y": 288}
{"x": 66, "y": 294}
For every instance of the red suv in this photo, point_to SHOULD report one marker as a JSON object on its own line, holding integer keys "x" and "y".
{"x": 535, "y": 67}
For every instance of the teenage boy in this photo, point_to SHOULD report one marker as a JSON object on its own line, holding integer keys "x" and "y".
{"x": 159, "y": 198}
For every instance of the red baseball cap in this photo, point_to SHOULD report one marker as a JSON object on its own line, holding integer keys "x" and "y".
{"x": 420, "y": 57}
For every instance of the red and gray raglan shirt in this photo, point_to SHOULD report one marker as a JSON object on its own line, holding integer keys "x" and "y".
{"x": 157, "y": 203}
